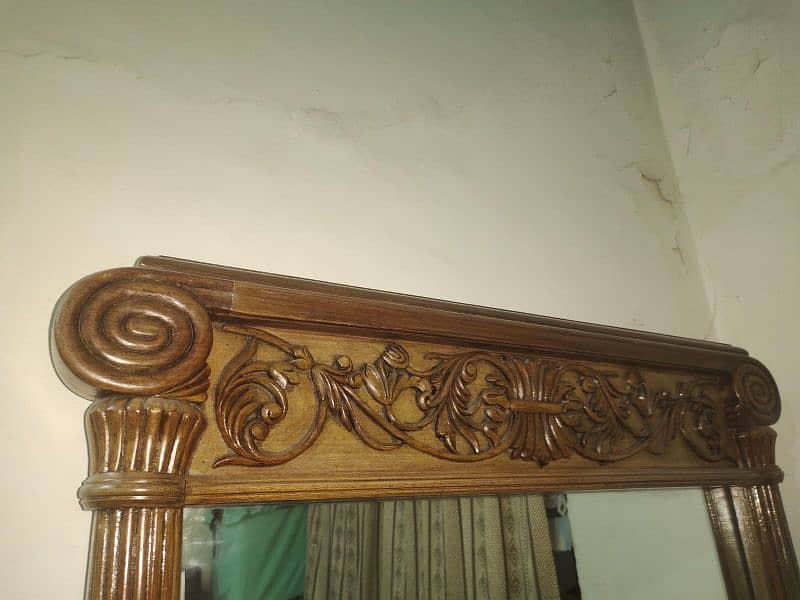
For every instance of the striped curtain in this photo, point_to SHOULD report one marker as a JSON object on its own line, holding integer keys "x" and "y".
{"x": 485, "y": 547}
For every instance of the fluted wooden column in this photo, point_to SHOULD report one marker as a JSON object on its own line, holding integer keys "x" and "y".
{"x": 137, "y": 347}
{"x": 139, "y": 450}
{"x": 752, "y": 535}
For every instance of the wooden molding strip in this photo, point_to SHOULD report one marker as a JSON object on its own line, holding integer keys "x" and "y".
{"x": 221, "y": 490}
{"x": 302, "y": 303}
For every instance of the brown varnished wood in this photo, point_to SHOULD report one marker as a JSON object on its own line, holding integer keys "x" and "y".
{"x": 216, "y": 489}
{"x": 136, "y": 332}
{"x": 135, "y": 553}
{"x": 139, "y": 454}
{"x": 318, "y": 391}
{"x": 753, "y": 543}
{"x": 479, "y": 404}
{"x": 752, "y": 535}
{"x": 139, "y": 451}
{"x": 729, "y": 542}
{"x": 295, "y": 302}
{"x": 293, "y": 285}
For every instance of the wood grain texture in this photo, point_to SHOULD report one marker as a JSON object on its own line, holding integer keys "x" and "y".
{"x": 139, "y": 454}
{"x": 130, "y": 331}
{"x": 134, "y": 554}
{"x": 332, "y": 392}
{"x": 139, "y": 451}
{"x": 478, "y": 404}
{"x": 136, "y": 344}
{"x": 228, "y": 488}
{"x": 752, "y": 535}
{"x": 729, "y": 542}
{"x": 304, "y": 304}
{"x": 753, "y": 542}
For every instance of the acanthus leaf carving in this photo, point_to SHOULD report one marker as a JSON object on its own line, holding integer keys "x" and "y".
{"x": 477, "y": 404}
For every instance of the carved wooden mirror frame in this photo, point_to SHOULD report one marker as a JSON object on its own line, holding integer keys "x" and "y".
{"x": 194, "y": 371}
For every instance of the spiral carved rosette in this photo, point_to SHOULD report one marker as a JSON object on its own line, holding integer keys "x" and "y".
{"x": 128, "y": 331}
{"x": 758, "y": 401}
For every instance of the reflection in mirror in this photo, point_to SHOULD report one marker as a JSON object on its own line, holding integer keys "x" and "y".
{"x": 654, "y": 544}
{"x": 632, "y": 544}
{"x": 474, "y": 547}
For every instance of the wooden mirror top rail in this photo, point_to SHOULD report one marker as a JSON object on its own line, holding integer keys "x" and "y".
{"x": 213, "y": 385}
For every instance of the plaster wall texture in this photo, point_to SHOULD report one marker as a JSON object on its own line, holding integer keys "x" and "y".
{"x": 504, "y": 154}
{"x": 727, "y": 77}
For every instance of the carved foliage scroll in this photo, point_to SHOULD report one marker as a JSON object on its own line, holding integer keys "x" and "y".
{"x": 467, "y": 406}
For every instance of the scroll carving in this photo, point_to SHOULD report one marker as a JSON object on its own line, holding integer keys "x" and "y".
{"x": 758, "y": 401}
{"x": 125, "y": 331}
{"x": 137, "y": 344}
{"x": 468, "y": 406}
{"x": 756, "y": 406}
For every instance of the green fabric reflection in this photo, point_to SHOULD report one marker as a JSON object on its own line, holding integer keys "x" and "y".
{"x": 259, "y": 552}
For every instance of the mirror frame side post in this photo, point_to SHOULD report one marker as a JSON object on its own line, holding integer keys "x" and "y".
{"x": 135, "y": 491}
{"x": 751, "y": 532}
{"x": 136, "y": 345}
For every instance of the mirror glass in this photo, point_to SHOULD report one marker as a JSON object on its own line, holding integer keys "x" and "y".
{"x": 632, "y": 544}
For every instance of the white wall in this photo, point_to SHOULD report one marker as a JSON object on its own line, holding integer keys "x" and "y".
{"x": 727, "y": 76}
{"x": 504, "y": 154}
{"x": 652, "y": 544}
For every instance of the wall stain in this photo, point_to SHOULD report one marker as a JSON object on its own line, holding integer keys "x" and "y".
{"x": 76, "y": 58}
{"x": 677, "y": 249}
{"x": 32, "y": 54}
{"x": 759, "y": 62}
{"x": 655, "y": 182}
{"x": 712, "y": 320}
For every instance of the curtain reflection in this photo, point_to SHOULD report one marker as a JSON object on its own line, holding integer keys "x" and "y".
{"x": 471, "y": 548}
{"x": 445, "y": 548}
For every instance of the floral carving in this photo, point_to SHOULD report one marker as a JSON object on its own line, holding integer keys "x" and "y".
{"x": 464, "y": 407}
